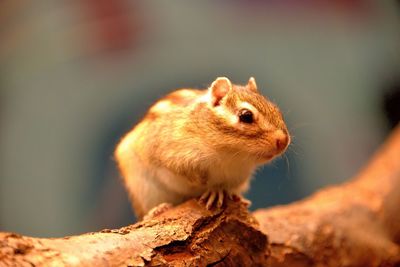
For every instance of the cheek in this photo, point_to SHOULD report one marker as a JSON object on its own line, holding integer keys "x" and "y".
{"x": 233, "y": 120}
{"x": 227, "y": 116}
{"x": 261, "y": 146}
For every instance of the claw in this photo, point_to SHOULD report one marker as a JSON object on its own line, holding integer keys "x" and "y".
{"x": 213, "y": 198}
{"x": 204, "y": 197}
{"x": 238, "y": 198}
{"x": 235, "y": 197}
{"x": 220, "y": 199}
{"x": 157, "y": 210}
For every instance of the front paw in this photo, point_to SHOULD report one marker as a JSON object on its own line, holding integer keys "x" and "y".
{"x": 157, "y": 210}
{"x": 213, "y": 198}
{"x": 239, "y": 198}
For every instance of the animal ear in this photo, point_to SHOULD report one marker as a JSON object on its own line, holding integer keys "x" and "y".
{"x": 218, "y": 89}
{"x": 252, "y": 84}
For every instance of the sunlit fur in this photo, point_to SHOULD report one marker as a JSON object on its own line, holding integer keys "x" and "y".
{"x": 185, "y": 144}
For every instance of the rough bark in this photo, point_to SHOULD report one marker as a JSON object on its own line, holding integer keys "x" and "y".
{"x": 353, "y": 224}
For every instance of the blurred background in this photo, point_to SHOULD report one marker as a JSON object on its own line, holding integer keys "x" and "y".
{"x": 76, "y": 75}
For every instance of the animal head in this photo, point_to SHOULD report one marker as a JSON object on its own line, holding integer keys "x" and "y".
{"x": 246, "y": 120}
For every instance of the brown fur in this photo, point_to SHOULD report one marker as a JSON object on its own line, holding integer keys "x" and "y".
{"x": 190, "y": 134}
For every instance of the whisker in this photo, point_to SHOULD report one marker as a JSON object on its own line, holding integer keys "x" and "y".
{"x": 295, "y": 146}
{"x": 287, "y": 165}
{"x": 299, "y": 125}
{"x": 293, "y": 149}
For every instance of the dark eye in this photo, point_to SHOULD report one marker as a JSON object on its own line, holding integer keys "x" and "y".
{"x": 246, "y": 116}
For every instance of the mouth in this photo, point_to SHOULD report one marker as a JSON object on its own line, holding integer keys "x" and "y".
{"x": 267, "y": 156}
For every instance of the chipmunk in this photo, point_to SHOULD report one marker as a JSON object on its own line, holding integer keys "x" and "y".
{"x": 200, "y": 143}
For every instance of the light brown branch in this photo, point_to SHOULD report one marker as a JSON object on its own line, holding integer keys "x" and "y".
{"x": 353, "y": 224}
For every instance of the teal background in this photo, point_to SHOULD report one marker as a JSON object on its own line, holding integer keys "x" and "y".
{"x": 76, "y": 75}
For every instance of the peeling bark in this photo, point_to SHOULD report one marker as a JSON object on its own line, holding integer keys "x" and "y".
{"x": 353, "y": 224}
{"x": 186, "y": 236}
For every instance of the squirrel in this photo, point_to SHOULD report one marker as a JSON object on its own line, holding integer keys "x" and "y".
{"x": 201, "y": 144}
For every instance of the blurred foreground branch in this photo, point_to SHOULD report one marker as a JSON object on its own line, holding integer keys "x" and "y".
{"x": 354, "y": 224}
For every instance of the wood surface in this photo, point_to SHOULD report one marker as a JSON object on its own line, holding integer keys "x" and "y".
{"x": 353, "y": 224}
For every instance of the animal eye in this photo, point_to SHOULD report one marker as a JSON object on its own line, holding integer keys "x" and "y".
{"x": 246, "y": 116}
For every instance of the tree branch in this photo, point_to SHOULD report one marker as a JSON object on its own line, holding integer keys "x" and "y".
{"x": 353, "y": 224}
